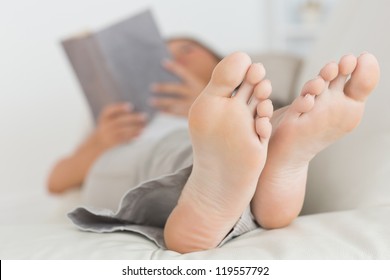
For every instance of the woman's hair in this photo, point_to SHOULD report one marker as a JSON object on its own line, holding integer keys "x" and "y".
{"x": 196, "y": 42}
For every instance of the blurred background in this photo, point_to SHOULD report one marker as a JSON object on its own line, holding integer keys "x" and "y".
{"x": 41, "y": 104}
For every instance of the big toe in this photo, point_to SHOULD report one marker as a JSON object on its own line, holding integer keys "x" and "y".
{"x": 229, "y": 74}
{"x": 364, "y": 78}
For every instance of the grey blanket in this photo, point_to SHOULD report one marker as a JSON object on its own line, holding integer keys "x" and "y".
{"x": 144, "y": 208}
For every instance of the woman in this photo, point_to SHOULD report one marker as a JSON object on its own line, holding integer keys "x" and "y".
{"x": 237, "y": 175}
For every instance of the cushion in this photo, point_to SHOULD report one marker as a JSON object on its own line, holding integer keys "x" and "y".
{"x": 282, "y": 70}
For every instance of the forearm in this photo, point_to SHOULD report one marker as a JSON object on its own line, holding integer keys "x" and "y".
{"x": 71, "y": 171}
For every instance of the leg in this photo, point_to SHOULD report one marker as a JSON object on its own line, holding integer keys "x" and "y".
{"x": 230, "y": 146}
{"x": 328, "y": 108}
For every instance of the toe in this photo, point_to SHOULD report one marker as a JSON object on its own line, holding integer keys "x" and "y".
{"x": 364, "y": 78}
{"x": 255, "y": 74}
{"x": 314, "y": 87}
{"x": 263, "y": 129}
{"x": 329, "y": 71}
{"x": 261, "y": 92}
{"x": 265, "y": 109}
{"x": 229, "y": 74}
{"x": 346, "y": 66}
{"x": 302, "y": 104}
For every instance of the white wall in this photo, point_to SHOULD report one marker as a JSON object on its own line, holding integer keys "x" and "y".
{"x": 42, "y": 112}
{"x": 294, "y": 25}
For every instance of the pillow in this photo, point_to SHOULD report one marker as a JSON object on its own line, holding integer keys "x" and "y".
{"x": 282, "y": 70}
{"x": 354, "y": 172}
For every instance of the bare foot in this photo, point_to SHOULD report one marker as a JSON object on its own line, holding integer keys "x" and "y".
{"x": 328, "y": 108}
{"x": 230, "y": 132}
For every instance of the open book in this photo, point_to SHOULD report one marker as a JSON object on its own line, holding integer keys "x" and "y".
{"x": 120, "y": 62}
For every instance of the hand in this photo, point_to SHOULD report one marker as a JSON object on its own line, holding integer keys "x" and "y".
{"x": 186, "y": 92}
{"x": 118, "y": 124}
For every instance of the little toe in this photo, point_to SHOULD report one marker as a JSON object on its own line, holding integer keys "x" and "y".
{"x": 314, "y": 86}
{"x": 346, "y": 66}
{"x": 228, "y": 74}
{"x": 364, "y": 78}
{"x": 255, "y": 74}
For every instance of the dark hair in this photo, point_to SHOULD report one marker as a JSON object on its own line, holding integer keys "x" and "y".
{"x": 196, "y": 42}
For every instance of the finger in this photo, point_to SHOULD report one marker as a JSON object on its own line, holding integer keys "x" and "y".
{"x": 172, "y": 88}
{"x": 176, "y": 110}
{"x": 127, "y": 134}
{"x": 172, "y": 106}
{"x": 117, "y": 135}
{"x": 180, "y": 71}
{"x": 162, "y": 102}
{"x": 134, "y": 119}
{"x": 113, "y": 110}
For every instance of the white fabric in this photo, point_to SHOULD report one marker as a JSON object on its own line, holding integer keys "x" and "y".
{"x": 356, "y": 234}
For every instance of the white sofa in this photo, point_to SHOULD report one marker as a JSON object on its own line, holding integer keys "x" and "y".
{"x": 347, "y": 208}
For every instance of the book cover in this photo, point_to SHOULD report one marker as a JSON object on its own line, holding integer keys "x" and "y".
{"x": 119, "y": 63}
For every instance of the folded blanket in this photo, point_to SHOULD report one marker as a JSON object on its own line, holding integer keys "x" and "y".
{"x": 144, "y": 208}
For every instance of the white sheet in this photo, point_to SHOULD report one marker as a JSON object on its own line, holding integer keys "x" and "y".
{"x": 35, "y": 233}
